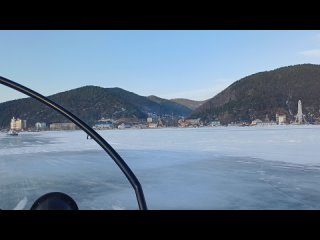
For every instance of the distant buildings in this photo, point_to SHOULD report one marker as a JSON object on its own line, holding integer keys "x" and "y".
{"x": 15, "y": 124}
{"x": 215, "y": 123}
{"x": 152, "y": 125}
{"x": 281, "y": 118}
{"x": 62, "y": 126}
{"x": 194, "y": 122}
{"x": 40, "y": 125}
{"x": 123, "y": 126}
{"x": 232, "y": 124}
{"x": 256, "y": 122}
{"x": 154, "y": 121}
{"x": 18, "y": 124}
{"x": 104, "y": 124}
{"x": 189, "y": 122}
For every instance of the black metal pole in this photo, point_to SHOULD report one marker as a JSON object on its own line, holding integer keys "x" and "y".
{"x": 93, "y": 134}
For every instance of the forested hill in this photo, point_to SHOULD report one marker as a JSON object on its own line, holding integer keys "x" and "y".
{"x": 264, "y": 93}
{"x": 90, "y": 103}
{"x": 188, "y": 103}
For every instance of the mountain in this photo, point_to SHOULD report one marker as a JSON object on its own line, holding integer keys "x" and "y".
{"x": 267, "y": 93}
{"x": 188, "y": 103}
{"x": 90, "y": 103}
{"x": 168, "y": 105}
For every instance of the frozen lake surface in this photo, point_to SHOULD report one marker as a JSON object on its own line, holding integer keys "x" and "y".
{"x": 274, "y": 167}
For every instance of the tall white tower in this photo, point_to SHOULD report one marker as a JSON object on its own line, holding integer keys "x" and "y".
{"x": 299, "y": 116}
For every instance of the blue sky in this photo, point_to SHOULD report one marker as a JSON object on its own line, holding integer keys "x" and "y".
{"x": 189, "y": 64}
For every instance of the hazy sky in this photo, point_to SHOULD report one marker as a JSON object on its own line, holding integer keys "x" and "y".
{"x": 169, "y": 64}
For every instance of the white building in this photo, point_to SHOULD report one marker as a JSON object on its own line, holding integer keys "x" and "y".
{"x": 123, "y": 126}
{"x": 215, "y": 124}
{"x": 18, "y": 124}
{"x": 41, "y": 125}
{"x": 281, "y": 119}
{"x": 256, "y": 122}
{"x": 152, "y": 125}
{"x": 108, "y": 124}
{"x": 194, "y": 121}
{"x": 62, "y": 126}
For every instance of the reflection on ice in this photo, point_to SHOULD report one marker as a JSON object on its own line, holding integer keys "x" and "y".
{"x": 205, "y": 168}
{"x": 22, "y": 204}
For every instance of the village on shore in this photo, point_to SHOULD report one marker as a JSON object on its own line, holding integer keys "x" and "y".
{"x": 153, "y": 121}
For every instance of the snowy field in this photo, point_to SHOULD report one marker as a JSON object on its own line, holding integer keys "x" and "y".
{"x": 272, "y": 167}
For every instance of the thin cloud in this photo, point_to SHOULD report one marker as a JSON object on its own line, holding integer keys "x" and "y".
{"x": 311, "y": 53}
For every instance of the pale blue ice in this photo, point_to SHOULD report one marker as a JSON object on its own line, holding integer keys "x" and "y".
{"x": 275, "y": 167}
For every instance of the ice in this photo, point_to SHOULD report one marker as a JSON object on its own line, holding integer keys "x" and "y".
{"x": 271, "y": 167}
